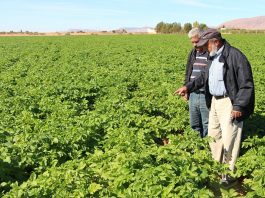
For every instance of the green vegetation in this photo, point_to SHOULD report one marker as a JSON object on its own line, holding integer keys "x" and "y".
{"x": 173, "y": 28}
{"x": 86, "y": 116}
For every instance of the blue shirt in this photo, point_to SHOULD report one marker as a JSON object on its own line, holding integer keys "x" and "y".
{"x": 216, "y": 77}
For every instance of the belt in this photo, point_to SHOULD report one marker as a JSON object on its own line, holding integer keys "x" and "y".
{"x": 220, "y": 97}
{"x": 199, "y": 92}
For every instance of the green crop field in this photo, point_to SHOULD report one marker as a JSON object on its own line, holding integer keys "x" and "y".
{"x": 86, "y": 117}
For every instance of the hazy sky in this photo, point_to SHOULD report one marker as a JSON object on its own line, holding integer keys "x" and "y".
{"x": 62, "y": 15}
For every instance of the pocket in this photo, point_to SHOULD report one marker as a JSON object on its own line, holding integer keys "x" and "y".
{"x": 220, "y": 69}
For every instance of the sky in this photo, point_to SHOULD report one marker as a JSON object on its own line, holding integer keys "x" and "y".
{"x": 63, "y": 15}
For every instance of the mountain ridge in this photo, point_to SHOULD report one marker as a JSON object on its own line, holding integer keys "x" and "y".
{"x": 253, "y": 23}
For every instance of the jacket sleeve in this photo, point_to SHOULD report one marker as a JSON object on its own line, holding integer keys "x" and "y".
{"x": 188, "y": 65}
{"x": 244, "y": 79}
{"x": 197, "y": 83}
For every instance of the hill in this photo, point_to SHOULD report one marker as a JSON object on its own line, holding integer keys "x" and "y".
{"x": 254, "y": 23}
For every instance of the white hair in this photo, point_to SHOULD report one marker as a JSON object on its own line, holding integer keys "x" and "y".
{"x": 194, "y": 32}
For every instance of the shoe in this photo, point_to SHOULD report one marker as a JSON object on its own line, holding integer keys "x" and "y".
{"x": 228, "y": 181}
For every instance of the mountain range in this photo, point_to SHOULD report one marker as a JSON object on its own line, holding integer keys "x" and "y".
{"x": 254, "y": 23}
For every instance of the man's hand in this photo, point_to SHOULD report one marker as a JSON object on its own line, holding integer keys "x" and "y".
{"x": 186, "y": 97}
{"x": 182, "y": 91}
{"x": 235, "y": 115}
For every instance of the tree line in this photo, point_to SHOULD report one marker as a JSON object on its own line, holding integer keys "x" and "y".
{"x": 171, "y": 28}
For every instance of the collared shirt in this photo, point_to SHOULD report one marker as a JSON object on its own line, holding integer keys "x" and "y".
{"x": 199, "y": 65}
{"x": 216, "y": 77}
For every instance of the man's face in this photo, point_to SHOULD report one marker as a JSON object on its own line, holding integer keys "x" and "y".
{"x": 212, "y": 48}
{"x": 194, "y": 40}
{"x": 209, "y": 46}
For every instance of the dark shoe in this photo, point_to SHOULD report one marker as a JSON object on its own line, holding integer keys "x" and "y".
{"x": 228, "y": 181}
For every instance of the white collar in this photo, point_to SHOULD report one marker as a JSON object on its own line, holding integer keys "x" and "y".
{"x": 219, "y": 51}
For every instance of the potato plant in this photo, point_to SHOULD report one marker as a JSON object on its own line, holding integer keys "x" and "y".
{"x": 95, "y": 116}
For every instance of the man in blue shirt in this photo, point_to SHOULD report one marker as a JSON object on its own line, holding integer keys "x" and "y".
{"x": 229, "y": 91}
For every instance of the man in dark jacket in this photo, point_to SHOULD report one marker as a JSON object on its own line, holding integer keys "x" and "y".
{"x": 229, "y": 91}
{"x": 197, "y": 63}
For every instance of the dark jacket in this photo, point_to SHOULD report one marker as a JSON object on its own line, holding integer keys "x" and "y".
{"x": 238, "y": 81}
{"x": 189, "y": 65}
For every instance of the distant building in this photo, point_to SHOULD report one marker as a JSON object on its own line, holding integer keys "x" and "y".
{"x": 143, "y": 30}
{"x": 151, "y": 31}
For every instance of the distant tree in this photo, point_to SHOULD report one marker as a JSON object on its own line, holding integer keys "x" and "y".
{"x": 195, "y": 24}
{"x": 123, "y": 31}
{"x": 169, "y": 28}
{"x": 202, "y": 26}
{"x": 187, "y": 27}
{"x": 176, "y": 27}
{"x": 159, "y": 27}
{"x": 163, "y": 28}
